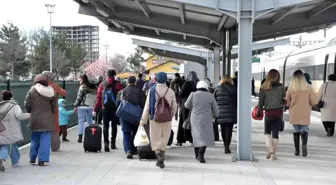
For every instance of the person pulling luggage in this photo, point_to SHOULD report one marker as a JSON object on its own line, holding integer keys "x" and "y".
{"x": 160, "y": 108}
{"x": 106, "y": 99}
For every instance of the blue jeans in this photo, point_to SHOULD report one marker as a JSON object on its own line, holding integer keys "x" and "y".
{"x": 40, "y": 146}
{"x": 12, "y": 151}
{"x": 84, "y": 113}
{"x": 301, "y": 128}
{"x": 129, "y": 131}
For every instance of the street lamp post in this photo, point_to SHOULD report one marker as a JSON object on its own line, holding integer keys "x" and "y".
{"x": 50, "y": 9}
{"x": 106, "y": 48}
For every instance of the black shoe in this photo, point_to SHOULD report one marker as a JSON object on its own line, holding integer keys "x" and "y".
{"x": 40, "y": 163}
{"x": 80, "y": 138}
{"x": 296, "y": 137}
{"x": 304, "y": 137}
{"x": 65, "y": 140}
{"x": 329, "y": 132}
{"x": 135, "y": 152}
{"x": 129, "y": 155}
{"x": 196, "y": 152}
{"x": 113, "y": 145}
{"x": 227, "y": 150}
{"x": 32, "y": 161}
{"x": 201, "y": 154}
{"x": 106, "y": 147}
{"x": 160, "y": 160}
{"x": 2, "y": 167}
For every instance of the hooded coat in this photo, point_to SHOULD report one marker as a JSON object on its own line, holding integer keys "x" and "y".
{"x": 41, "y": 103}
{"x": 63, "y": 114}
{"x": 11, "y": 115}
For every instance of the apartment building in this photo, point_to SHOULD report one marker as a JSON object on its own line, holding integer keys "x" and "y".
{"x": 85, "y": 35}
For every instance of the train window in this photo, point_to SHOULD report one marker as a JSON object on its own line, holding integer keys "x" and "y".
{"x": 319, "y": 72}
{"x": 330, "y": 69}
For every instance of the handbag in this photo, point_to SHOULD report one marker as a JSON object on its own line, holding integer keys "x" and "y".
{"x": 321, "y": 102}
{"x": 129, "y": 112}
{"x": 254, "y": 114}
{"x": 2, "y": 127}
{"x": 187, "y": 122}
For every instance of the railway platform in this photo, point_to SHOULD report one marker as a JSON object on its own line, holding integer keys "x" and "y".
{"x": 71, "y": 166}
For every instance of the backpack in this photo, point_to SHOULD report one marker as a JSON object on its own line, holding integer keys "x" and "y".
{"x": 109, "y": 96}
{"x": 162, "y": 111}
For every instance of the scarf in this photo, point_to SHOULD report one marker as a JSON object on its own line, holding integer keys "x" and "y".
{"x": 152, "y": 100}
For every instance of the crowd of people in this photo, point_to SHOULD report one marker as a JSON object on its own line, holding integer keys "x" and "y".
{"x": 194, "y": 103}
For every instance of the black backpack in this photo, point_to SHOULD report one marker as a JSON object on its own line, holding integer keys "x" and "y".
{"x": 109, "y": 96}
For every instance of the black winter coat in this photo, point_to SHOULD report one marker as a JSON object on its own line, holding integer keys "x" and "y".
{"x": 176, "y": 85}
{"x": 226, "y": 97}
{"x": 133, "y": 95}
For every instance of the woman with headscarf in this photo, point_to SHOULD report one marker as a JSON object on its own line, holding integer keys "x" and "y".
{"x": 40, "y": 102}
{"x": 188, "y": 87}
{"x": 203, "y": 109}
{"x": 150, "y": 83}
{"x": 159, "y": 132}
{"x": 55, "y": 141}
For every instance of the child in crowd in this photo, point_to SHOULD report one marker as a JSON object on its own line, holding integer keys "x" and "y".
{"x": 63, "y": 118}
{"x": 10, "y": 115}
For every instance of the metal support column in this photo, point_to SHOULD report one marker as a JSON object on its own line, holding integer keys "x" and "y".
{"x": 224, "y": 51}
{"x": 210, "y": 66}
{"x": 228, "y": 63}
{"x": 245, "y": 21}
{"x": 216, "y": 66}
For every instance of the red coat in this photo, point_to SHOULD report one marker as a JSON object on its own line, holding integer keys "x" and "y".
{"x": 60, "y": 92}
{"x": 99, "y": 104}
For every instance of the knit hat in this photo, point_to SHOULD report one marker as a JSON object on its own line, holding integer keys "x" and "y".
{"x": 110, "y": 73}
{"x": 41, "y": 79}
{"x": 6, "y": 95}
{"x": 131, "y": 80}
{"x": 202, "y": 85}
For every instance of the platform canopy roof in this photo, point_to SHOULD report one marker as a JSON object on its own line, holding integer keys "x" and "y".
{"x": 198, "y": 55}
{"x": 201, "y": 22}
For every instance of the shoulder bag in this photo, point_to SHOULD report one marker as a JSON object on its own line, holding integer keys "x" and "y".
{"x": 187, "y": 122}
{"x": 129, "y": 112}
{"x": 321, "y": 102}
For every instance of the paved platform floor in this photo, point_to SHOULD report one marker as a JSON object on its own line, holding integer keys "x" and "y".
{"x": 71, "y": 166}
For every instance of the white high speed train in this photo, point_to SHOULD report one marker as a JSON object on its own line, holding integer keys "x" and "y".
{"x": 316, "y": 60}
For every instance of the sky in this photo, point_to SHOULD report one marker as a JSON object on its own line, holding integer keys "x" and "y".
{"x": 32, "y": 14}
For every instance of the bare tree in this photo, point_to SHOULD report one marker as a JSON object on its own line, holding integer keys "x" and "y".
{"x": 119, "y": 63}
{"x": 60, "y": 63}
{"x": 12, "y": 57}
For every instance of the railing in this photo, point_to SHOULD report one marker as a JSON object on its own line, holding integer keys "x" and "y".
{"x": 20, "y": 89}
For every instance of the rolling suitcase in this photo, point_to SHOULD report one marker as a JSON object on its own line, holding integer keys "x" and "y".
{"x": 93, "y": 138}
{"x": 145, "y": 152}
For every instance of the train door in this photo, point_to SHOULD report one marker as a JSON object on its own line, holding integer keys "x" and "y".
{"x": 325, "y": 71}
{"x": 330, "y": 65}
